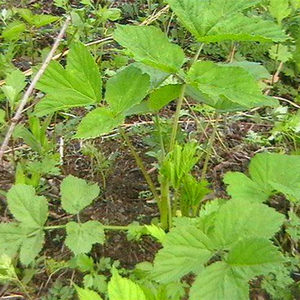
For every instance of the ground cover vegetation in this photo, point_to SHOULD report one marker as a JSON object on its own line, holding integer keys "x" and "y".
{"x": 150, "y": 149}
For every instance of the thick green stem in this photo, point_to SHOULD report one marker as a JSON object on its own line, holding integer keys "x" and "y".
{"x": 176, "y": 118}
{"x": 165, "y": 204}
{"x": 140, "y": 164}
{"x": 209, "y": 149}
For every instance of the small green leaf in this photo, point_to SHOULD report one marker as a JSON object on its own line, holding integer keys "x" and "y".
{"x": 76, "y": 194}
{"x": 26, "y": 206}
{"x": 226, "y": 87}
{"x": 81, "y": 237}
{"x": 156, "y": 232}
{"x": 123, "y": 288}
{"x": 36, "y": 20}
{"x": 280, "y": 53}
{"x": 185, "y": 249}
{"x": 86, "y": 294}
{"x": 7, "y": 270}
{"x": 98, "y": 122}
{"x": 150, "y": 46}
{"x": 126, "y": 89}
{"x": 162, "y": 96}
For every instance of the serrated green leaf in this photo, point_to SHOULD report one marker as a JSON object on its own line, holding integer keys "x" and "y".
{"x": 126, "y": 89}
{"x": 252, "y": 257}
{"x": 224, "y": 20}
{"x": 81, "y": 237}
{"x": 226, "y": 87}
{"x": 11, "y": 238}
{"x": 76, "y": 194}
{"x": 162, "y": 96}
{"x": 279, "y": 9}
{"x": 98, "y": 122}
{"x": 71, "y": 87}
{"x": 218, "y": 281}
{"x": 31, "y": 247}
{"x": 26, "y": 206}
{"x": 123, "y": 288}
{"x": 280, "y": 53}
{"x": 86, "y": 294}
{"x": 156, "y": 232}
{"x": 240, "y": 187}
{"x": 276, "y": 172}
{"x": 150, "y": 46}
{"x": 15, "y": 237}
{"x": 229, "y": 280}
{"x": 239, "y": 219}
{"x": 186, "y": 249}
{"x": 82, "y": 64}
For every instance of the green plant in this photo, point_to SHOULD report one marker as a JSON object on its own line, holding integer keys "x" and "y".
{"x": 224, "y": 87}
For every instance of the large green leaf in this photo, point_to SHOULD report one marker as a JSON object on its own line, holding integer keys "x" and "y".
{"x": 185, "y": 249}
{"x": 77, "y": 85}
{"x": 229, "y": 280}
{"x": 227, "y": 87}
{"x": 26, "y": 207}
{"x": 37, "y": 20}
{"x": 239, "y": 219}
{"x": 15, "y": 237}
{"x": 123, "y": 288}
{"x": 81, "y": 237}
{"x": 126, "y": 89}
{"x": 150, "y": 46}
{"x": 76, "y": 194}
{"x": 219, "y": 20}
{"x": 98, "y": 122}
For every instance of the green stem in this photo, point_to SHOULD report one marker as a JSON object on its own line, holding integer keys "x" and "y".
{"x": 106, "y": 227}
{"x": 165, "y": 204}
{"x": 140, "y": 164}
{"x": 209, "y": 150}
{"x": 176, "y": 118}
{"x": 161, "y": 140}
{"x": 22, "y": 286}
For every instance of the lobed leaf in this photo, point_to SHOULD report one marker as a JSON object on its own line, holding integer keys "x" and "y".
{"x": 81, "y": 237}
{"x": 26, "y": 206}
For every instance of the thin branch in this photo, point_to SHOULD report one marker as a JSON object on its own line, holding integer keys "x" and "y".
{"x": 31, "y": 87}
